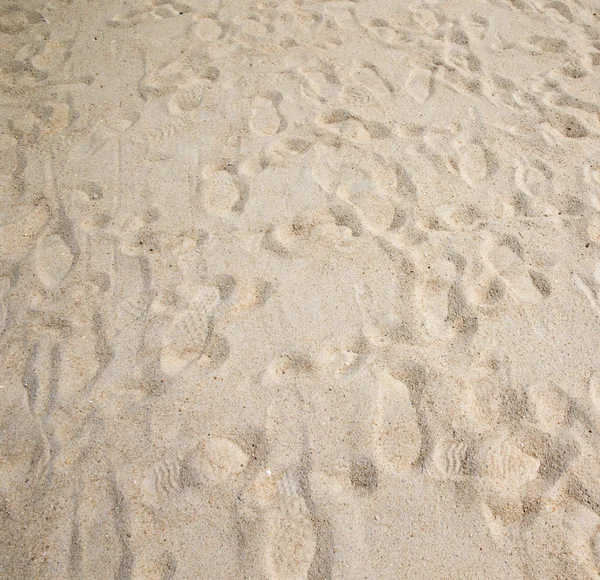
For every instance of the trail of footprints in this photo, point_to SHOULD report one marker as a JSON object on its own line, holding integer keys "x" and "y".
{"x": 534, "y": 476}
{"x": 280, "y": 538}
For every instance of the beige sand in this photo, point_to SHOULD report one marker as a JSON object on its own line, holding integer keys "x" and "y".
{"x": 300, "y": 290}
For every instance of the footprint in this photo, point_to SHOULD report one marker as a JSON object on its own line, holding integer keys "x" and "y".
{"x": 208, "y": 29}
{"x": 51, "y": 57}
{"x": 217, "y": 461}
{"x": 501, "y": 464}
{"x": 501, "y": 91}
{"x": 558, "y": 11}
{"x": 562, "y": 540}
{"x": 165, "y": 479}
{"x": 321, "y": 80}
{"x": 340, "y": 174}
{"x": 18, "y": 235}
{"x": 220, "y": 191}
{"x": 397, "y": 431}
{"x": 252, "y": 29}
{"x": 128, "y": 19}
{"x": 503, "y": 260}
{"x": 476, "y": 24}
{"x": 457, "y": 76}
{"x": 160, "y": 11}
{"x": 465, "y": 218}
{"x": 541, "y": 283}
{"x": 53, "y": 261}
{"x": 186, "y": 100}
{"x": 99, "y": 526}
{"x": 187, "y": 338}
{"x": 428, "y": 19}
{"x": 345, "y": 124}
{"x": 458, "y": 55}
{"x": 129, "y": 311}
{"x": 344, "y": 17}
{"x": 175, "y": 76}
{"x": 204, "y": 8}
{"x": 344, "y": 355}
{"x": 14, "y": 20}
{"x": 472, "y": 162}
{"x": 550, "y": 44}
{"x": 567, "y": 125}
{"x": 387, "y": 34}
{"x": 533, "y": 178}
{"x": 54, "y": 117}
{"x": 292, "y": 544}
{"x": 376, "y": 211}
{"x": 317, "y": 228}
{"x": 449, "y": 459}
{"x": 549, "y": 406}
{"x": 250, "y": 294}
{"x": 282, "y": 151}
{"x": 368, "y": 76}
{"x": 589, "y": 288}
{"x": 328, "y": 172}
{"x": 264, "y": 119}
{"x": 343, "y": 533}
{"x": 453, "y": 34}
{"x": 353, "y": 126}
{"x": 278, "y": 527}
{"x": 498, "y": 527}
{"x": 418, "y": 85}
{"x": 433, "y": 295}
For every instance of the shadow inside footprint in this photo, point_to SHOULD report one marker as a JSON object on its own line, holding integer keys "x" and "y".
{"x": 364, "y": 475}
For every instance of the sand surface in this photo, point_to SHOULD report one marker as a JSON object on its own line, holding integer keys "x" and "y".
{"x": 299, "y": 290}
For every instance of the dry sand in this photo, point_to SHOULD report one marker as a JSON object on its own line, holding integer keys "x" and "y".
{"x": 300, "y": 290}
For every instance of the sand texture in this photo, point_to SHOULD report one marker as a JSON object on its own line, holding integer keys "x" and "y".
{"x": 299, "y": 290}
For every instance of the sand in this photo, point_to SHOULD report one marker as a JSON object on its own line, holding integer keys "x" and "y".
{"x": 299, "y": 290}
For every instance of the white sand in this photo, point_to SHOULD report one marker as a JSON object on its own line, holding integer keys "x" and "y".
{"x": 299, "y": 290}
